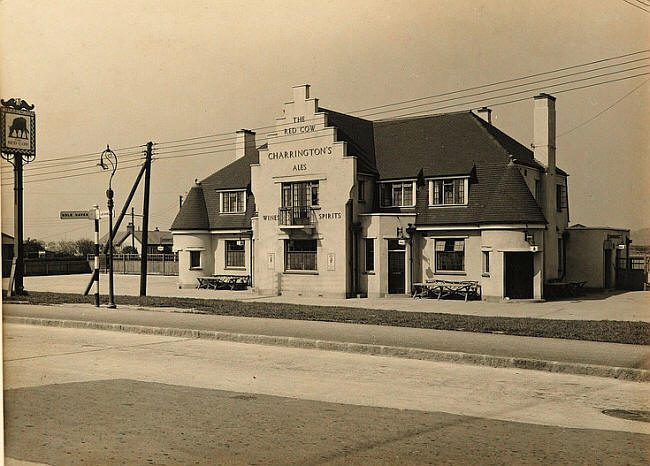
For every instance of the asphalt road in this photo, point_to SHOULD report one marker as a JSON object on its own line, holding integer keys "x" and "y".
{"x": 92, "y": 397}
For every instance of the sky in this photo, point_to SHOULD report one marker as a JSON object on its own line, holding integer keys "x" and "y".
{"x": 127, "y": 72}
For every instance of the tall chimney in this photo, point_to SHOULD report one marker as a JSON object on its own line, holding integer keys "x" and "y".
{"x": 244, "y": 142}
{"x": 544, "y": 131}
{"x": 485, "y": 113}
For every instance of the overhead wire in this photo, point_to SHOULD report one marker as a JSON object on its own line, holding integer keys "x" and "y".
{"x": 437, "y": 95}
{"x": 201, "y": 150}
{"x": 636, "y": 6}
{"x": 602, "y": 111}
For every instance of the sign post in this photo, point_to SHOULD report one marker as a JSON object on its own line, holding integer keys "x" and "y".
{"x": 92, "y": 214}
{"x": 17, "y": 146}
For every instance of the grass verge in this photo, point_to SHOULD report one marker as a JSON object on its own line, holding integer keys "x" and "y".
{"x": 636, "y": 333}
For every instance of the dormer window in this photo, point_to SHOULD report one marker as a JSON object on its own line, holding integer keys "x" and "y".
{"x": 448, "y": 191}
{"x": 398, "y": 194}
{"x": 233, "y": 202}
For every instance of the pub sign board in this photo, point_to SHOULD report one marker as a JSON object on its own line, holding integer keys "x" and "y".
{"x": 17, "y": 131}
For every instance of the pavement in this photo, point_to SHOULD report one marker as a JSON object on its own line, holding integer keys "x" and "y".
{"x": 630, "y": 362}
{"x": 625, "y": 306}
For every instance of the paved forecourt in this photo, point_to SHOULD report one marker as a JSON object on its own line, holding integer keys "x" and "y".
{"x": 627, "y": 306}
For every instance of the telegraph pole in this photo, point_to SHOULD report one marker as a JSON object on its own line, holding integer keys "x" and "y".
{"x": 145, "y": 221}
{"x": 18, "y": 146}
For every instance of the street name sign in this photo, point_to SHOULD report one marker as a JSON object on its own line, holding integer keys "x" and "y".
{"x": 78, "y": 214}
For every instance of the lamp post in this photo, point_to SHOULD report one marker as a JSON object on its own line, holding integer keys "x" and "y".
{"x": 109, "y": 156}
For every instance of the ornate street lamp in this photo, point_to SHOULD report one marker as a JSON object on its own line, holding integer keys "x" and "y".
{"x": 108, "y": 156}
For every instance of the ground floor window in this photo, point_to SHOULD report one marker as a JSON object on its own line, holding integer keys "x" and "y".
{"x": 300, "y": 254}
{"x": 195, "y": 259}
{"x": 450, "y": 255}
{"x": 235, "y": 254}
{"x": 370, "y": 254}
{"x": 486, "y": 262}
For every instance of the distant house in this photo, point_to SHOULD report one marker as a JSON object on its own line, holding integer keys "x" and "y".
{"x": 159, "y": 241}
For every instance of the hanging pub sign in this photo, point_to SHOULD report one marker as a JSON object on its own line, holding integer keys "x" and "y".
{"x": 17, "y": 128}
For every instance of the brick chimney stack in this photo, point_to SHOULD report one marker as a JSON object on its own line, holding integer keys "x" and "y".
{"x": 544, "y": 131}
{"x": 244, "y": 142}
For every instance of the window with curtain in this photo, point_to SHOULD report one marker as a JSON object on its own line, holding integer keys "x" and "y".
{"x": 233, "y": 202}
{"x": 450, "y": 255}
{"x": 448, "y": 192}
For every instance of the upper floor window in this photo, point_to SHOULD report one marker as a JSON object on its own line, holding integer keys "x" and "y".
{"x": 449, "y": 191}
{"x": 400, "y": 194}
{"x": 233, "y": 202}
{"x": 301, "y": 194}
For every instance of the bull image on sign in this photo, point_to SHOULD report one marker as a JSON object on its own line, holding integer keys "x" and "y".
{"x": 17, "y": 131}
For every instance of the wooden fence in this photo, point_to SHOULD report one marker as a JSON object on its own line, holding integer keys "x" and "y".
{"x": 129, "y": 264}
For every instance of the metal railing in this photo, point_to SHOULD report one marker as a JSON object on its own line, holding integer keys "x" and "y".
{"x": 296, "y": 216}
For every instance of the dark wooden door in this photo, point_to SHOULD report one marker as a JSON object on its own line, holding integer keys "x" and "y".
{"x": 396, "y": 272}
{"x": 519, "y": 275}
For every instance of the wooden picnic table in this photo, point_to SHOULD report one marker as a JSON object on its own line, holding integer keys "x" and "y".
{"x": 224, "y": 282}
{"x": 558, "y": 289}
{"x": 446, "y": 288}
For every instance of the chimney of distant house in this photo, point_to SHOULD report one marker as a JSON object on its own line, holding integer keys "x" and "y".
{"x": 244, "y": 142}
{"x": 485, "y": 114}
{"x": 301, "y": 93}
{"x": 544, "y": 131}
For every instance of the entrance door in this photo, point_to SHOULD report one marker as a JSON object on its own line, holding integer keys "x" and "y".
{"x": 396, "y": 267}
{"x": 519, "y": 275}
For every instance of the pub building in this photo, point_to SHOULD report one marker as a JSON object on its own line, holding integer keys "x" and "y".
{"x": 336, "y": 205}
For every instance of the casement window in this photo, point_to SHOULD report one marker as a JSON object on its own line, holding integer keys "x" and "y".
{"x": 300, "y": 254}
{"x": 449, "y": 191}
{"x": 538, "y": 191}
{"x": 401, "y": 194}
{"x": 361, "y": 186}
{"x": 561, "y": 200}
{"x": 302, "y": 194}
{"x": 450, "y": 255}
{"x": 195, "y": 259}
{"x": 370, "y": 254}
{"x": 235, "y": 253}
{"x": 233, "y": 202}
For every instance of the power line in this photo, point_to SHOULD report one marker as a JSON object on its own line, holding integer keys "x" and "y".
{"x": 636, "y": 6}
{"x": 602, "y": 111}
{"x": 72, "y": 176}
{"x": 192, "y": 153}
{"x": 187, "y": 152}
{"x": 436, "y": 95}
{"x": 205, "y": 146}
